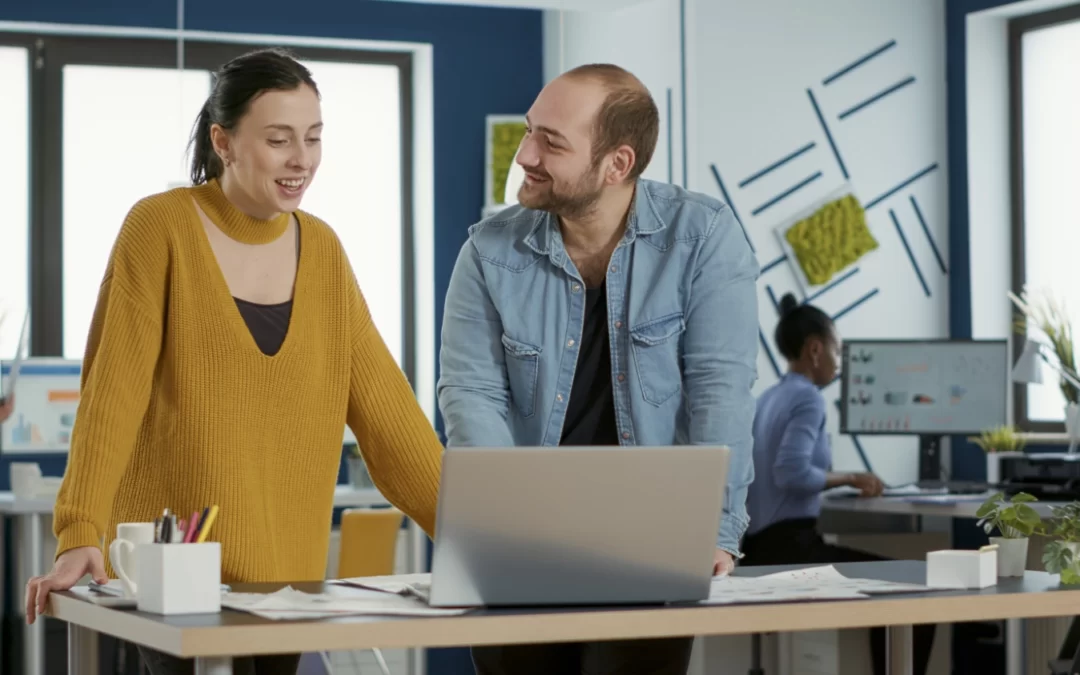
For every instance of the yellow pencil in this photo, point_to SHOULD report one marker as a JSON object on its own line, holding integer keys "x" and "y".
{"x": 204, "y": 528}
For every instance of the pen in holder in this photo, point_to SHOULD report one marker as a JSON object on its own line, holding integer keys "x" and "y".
{"x": 179, "y": 578}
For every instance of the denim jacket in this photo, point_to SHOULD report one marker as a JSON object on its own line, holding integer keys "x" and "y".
{"x": 683, "y": 325}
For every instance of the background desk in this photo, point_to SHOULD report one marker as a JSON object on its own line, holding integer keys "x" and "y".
{"x": 852, "y": 519}
{"x": 214, "y": 639}
{"x": 30, "y": 516}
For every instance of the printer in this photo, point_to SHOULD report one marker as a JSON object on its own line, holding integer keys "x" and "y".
{"x": 1048, "y": 476}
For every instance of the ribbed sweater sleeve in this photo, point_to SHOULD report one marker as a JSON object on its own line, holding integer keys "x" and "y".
{"x": 399, "y": 445}
{"x": 122, "y": 350}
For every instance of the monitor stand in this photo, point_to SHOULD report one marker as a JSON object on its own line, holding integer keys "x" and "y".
{"x": 930, "y": 460}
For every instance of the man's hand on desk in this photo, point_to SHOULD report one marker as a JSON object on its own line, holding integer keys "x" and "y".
{"x": 723, "y": 563}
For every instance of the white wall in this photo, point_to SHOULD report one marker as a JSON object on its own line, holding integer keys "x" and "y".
{"x": 748, "y": 68}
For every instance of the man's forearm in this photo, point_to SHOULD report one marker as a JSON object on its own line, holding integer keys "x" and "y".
{"x": 473, "y": 420}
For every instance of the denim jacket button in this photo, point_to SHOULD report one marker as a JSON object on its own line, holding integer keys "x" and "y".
{"x": 621, "y": 377}
{"x": 570, "y": 343}
{"x": 626, "y": 434}
{"x": 576, "y": 287}
{"x": 558, "y": 397}
{"x": 618, "y": 324}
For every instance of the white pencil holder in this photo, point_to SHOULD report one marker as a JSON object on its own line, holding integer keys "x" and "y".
{"x": 179, "y": 578}
{"x": 961, "y": 569}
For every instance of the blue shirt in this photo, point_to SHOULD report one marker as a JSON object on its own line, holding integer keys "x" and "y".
{"x": 792, "y": 456}
{"x": 682, "y": 317}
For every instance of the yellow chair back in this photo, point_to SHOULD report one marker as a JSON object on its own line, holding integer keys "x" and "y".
{"x": 368, "y": 542}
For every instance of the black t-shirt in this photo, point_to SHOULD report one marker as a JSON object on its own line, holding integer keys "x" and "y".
{"x": 590, "y": 414}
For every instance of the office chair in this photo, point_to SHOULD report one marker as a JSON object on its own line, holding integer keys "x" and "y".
{"x": 368, "y": 548}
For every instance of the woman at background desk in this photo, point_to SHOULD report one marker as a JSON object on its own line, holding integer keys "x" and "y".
{"x": 793, "y": 460}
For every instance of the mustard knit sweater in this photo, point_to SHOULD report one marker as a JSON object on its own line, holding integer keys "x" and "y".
{"x": 181, "y": 409}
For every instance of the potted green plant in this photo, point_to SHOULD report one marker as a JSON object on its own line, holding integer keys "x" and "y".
{"x": 998, "y": 442}
{"x": 359, "y": 477}
{"x": 1062, "y": 555}
{"x": 1016, "y": 521}
{"x": 1000, "y": 439}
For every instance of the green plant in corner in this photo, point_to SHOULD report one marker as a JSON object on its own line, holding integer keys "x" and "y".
{"x": 1000, "y": 439}
{"x": 1051, "y": 318}
{"x": 1062, "y": 555}
{"x": 1014, "y": 518}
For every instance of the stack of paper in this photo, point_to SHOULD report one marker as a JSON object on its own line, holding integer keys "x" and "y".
{"x": 416, "y": 585}
{"x": 291, "y": 604}
{"x": 811, "y": 583}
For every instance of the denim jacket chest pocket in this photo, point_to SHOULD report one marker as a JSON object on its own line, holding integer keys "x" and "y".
{"x": 522, "y": 371}
{"x": 656, "y": 347}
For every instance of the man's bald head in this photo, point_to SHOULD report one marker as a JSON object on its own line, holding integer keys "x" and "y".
{"x": 627, "y": 116}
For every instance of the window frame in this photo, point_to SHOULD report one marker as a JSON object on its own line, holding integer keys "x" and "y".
{"x": 48, "y": 56}
{"x": 1017, "y": 28}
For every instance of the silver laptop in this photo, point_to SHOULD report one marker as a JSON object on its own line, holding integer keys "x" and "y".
{"x": 577, "y": 525}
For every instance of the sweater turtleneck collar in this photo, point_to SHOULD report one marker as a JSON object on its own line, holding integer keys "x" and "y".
{"x": 234, "y": 222}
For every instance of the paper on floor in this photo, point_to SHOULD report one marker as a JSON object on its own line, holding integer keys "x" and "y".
{"x": 291, "y": 604}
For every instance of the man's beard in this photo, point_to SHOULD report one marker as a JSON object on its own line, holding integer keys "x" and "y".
{"x": 573, "y": 202}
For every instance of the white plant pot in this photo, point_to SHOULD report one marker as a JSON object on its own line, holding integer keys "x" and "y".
{"x": 993, "y": 465}
{"x": 1072, "y": 419}
{"x": 1012, "y": 556}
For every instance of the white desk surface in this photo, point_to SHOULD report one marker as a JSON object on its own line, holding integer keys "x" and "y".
{"x": 230, "y": 633}
{"x": 344, "y": 496}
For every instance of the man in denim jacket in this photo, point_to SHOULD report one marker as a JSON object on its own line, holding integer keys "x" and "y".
{"x": 605, "y": 309}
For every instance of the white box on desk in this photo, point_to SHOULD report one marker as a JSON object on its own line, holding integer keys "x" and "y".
{"x": 179, "y": 578}
{"x": 961, "y": 569}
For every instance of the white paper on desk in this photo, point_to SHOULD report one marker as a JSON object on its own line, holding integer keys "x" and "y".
{"x": 291, "y": 604}
{"x": 810, "y": 583}
{"x": 402, "y": 584}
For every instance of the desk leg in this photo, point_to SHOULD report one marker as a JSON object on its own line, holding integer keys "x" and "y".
{"x": 417, "y": 553}
{"x": 30, "y": 540}
{"x": 213, "y": 665}
{"x": 1014, "y": 647}
{"x": 82, "y": 650}
{"x": 898, "y": 647}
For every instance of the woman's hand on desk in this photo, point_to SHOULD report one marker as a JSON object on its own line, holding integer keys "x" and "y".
{"x": 867, "y": 483}
{"x": 67, "y": 570}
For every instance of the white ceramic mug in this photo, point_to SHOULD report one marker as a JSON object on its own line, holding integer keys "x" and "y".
{"x": 122, "y": 552}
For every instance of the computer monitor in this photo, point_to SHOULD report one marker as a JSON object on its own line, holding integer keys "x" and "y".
{"x": 928, "y": 388}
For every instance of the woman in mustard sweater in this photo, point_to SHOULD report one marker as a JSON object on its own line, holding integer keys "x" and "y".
{"x": 229, "y": 347}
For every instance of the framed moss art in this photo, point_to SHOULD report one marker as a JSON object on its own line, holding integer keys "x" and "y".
{"x": 826, "y": 239}
{"x": 504, "y": 134}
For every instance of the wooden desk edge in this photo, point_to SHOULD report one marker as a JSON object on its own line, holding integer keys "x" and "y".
{"x": 335, "y": 635}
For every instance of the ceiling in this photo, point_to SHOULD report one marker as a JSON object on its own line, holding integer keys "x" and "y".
{"x": 576, "y": 5}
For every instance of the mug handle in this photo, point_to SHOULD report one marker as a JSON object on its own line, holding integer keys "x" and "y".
{"x": 115, "y": 558}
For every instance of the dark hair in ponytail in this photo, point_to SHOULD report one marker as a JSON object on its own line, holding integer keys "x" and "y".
{"x": 798, "y": 323}
{"x": 236, "y": 84}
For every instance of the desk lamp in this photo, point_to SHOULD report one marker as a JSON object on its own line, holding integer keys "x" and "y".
{"x": 1028, "y": 370}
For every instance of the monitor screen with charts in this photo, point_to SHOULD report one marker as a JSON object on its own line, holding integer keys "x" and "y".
{"x": 932, "y": 387}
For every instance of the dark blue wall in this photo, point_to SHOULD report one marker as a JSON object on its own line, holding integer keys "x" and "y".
{"x": 486, "y": 61}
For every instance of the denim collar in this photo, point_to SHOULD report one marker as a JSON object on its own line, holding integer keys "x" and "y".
{"x": 544, "y": 237}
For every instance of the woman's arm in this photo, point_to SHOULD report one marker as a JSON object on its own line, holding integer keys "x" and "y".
{"x": 122, "y": 351}
{"x": 793, "y": 468}
{"x": 399, "y": 445}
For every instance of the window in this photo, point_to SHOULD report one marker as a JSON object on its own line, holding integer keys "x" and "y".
{"x": 15, "y": 177}
{"x": 357, "y": 190}
{"x": 1045, "y": 67}
{"x": 110, "y": 164}
{"x": 111, "y": 118}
